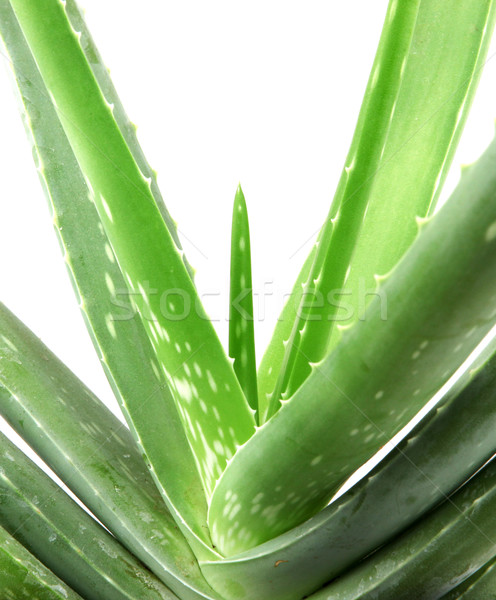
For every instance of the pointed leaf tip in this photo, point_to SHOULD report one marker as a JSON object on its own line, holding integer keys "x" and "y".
{"x": 241, "y": 326}
{"x": 239, "y": 200}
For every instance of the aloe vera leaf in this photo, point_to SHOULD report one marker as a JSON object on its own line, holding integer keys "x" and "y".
{"x": 342, "y": 226}
{"x": 479, "y": 586}
{"x": 127, "y": 128}
{"x": 368, "y": 389}
{"x": 128, "y": 358}
{"x": 439, "y": 84}
{"x": 384, "y": 187}
{"x": 270, "y": 365}
{"x": 435, "y": 555}
{"x": 50, "y": 409}
{"x": 24, "y": 577}
{"x": 212, "y": 406}
{"x": 437, "y": 456}
{"x": 241, "y": 326}
{"x": 35, "y": 511}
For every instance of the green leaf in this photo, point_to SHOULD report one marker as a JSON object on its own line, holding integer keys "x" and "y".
{"x": 24, "y": 577}
{"x": 127, "y": 128}
{"x": 422, "y": 83}
{"x": 480, "y": 586}
{"x": 446, "y": 547}
{"x": 50, "y": 409}
{"x": 270, "y": 366}
{"x": 124, "y": 348}
{"x": 65, "y": 538}
{"x": 437, "y": 456}
{"x": 241, "y": 330}
{"x": 210, "y": 402}
{"x": 311, "y": 328}
{"x": 439, "y": 303}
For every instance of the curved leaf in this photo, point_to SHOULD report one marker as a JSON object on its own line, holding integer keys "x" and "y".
{"x": 404, "y": 142}
{"x": 210, "y": 403}
{"x": 376, "y": 380}
{"x": 127, "y": 128}
{"x": 24, "y": 577}
{"x": 51, "y": 409}
{"x": 433, "y": 557}
{"x": 125, "y": 350}
{"x": 65, "y": 538}
{"x": 437, "y": 456}
{"x": 480, "y": 586}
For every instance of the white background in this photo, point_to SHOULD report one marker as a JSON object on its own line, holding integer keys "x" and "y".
{"x": 261, "y": 92}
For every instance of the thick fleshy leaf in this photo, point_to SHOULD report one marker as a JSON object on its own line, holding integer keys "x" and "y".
{"x": 439, "y": 455}
{"x": 439, "y": 81}
{"x": 127, "y": 128}
{"x": 480, "y": 586}
{"x": 422, "y": 82}
{"x": 311, "y": 327}
{"x": 210, "y": 402}
{"x": 385, "y": 370}
{"x": 125, "y": 350}
{"x": 52, "y": 410}
{"x": 123, "y": 346}
{"x": 241, "y": 326}
{"x": 433, "y": 557}
{"x": 270, "y": 366}
{"x": 24, "y": 577}
{"x": 35, "y": 511}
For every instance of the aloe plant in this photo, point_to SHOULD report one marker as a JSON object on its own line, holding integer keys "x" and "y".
{"x": 224, "y": 483}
